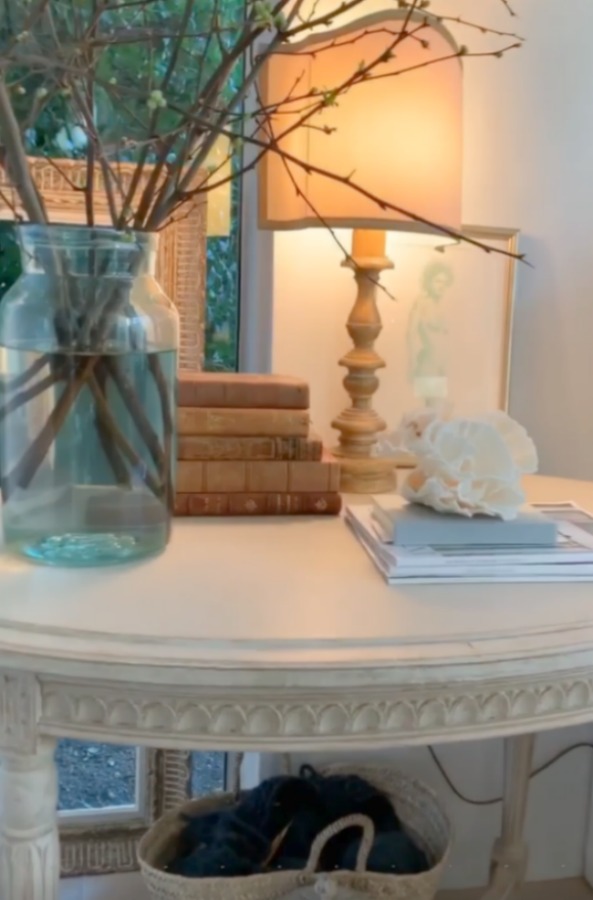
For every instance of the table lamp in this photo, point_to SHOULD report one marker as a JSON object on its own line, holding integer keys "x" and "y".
{"x": 397, "y": 135}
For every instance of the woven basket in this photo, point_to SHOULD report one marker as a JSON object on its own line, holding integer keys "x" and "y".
{"x": 415, "y": 804}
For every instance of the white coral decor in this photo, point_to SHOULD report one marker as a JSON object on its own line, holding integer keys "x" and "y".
{"x": 468, "y": 466}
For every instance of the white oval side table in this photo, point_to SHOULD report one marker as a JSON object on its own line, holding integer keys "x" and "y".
{"x": 275, "y": 634}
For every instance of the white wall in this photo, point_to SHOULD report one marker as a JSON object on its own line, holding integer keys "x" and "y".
{"x": 528, "y": 165}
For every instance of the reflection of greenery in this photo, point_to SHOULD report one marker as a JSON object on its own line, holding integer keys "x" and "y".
{"x": 142, "y": 47}
{"x": 222, "y": 295}
{"x": 222, "y": 303}
{"x": 10, "y": 264}
{"x": 126, "y": 73}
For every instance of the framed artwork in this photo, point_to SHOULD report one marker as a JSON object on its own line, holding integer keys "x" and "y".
{"x": 181, "y": 258}
{"x": 453, "y": 328}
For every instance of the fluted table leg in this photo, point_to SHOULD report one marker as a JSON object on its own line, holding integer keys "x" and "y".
{"x": 29, "y": 843}
{"x": 509, "y": 854}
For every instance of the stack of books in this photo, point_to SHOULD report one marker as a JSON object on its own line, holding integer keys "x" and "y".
{"x": 414, "y": 545}
{"x": 245, "y": 448}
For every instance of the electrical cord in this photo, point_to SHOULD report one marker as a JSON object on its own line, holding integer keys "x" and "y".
{"x": 494, "y": 800}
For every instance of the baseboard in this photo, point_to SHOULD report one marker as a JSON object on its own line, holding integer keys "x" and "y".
{"x": 130, "y": 887}
{"x": 571, "y": 889}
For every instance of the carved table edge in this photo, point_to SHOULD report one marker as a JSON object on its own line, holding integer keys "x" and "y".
{"x": 180, "y": 717}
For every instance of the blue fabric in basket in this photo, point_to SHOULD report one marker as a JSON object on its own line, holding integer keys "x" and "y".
{"x": 273, "y": 827}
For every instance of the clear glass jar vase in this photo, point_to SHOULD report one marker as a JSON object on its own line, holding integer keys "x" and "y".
{"x": 88, "y": 354}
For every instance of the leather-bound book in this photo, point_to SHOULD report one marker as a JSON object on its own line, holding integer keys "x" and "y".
{"x": 242, "y": 390}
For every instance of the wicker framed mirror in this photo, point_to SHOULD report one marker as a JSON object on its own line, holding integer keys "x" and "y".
{"x": 181, "y": 265}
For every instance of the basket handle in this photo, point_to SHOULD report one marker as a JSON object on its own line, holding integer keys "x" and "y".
{"x": 368, "y": 836}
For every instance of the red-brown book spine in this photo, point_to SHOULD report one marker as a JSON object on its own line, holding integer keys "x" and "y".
{"x": 265, "y": 504}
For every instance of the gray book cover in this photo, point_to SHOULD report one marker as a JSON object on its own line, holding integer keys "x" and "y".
{"x": 410, "y": 524}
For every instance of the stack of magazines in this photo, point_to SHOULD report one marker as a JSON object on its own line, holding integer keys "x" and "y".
{"x": 563, "y": 554}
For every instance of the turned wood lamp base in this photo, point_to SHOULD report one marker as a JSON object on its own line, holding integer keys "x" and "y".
{"x": 375, "y": 475}
{"x": 359, "y": 424}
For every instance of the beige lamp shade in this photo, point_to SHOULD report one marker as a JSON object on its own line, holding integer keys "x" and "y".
{"x": 397, "y": 135}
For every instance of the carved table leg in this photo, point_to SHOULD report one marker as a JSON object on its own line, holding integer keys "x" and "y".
{"x": 29, "y": 843}
{"x": 509, "y": 854}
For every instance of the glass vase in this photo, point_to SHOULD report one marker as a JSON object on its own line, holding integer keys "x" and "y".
{"x": 88, "y": 353}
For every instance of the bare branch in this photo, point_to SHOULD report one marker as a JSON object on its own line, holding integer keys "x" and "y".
{"x": 18, "y": 166}
{"x": 507, "y": 5}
